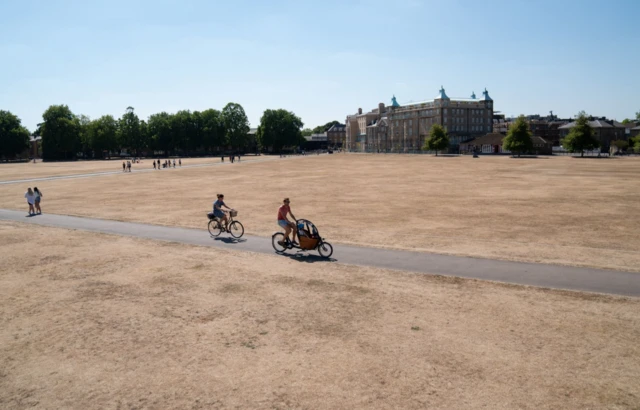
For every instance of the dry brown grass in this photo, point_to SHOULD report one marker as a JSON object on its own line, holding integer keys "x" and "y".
{"x": 147, "y": 324}
{"x": 558, "y": 210}
{"x": 10, "y": 172}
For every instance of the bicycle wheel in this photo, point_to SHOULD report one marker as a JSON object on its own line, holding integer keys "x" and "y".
{"x": 214, "y": 228}
{"x": 325, "y": 249}
{"x": 277, "y": 240}
{"x": 236, "y": 229}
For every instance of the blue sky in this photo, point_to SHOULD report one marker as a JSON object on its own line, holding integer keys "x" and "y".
{"x": 319, "y": 59}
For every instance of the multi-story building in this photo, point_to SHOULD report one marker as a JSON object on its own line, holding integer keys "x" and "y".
{"x": 604, "y": 131}
{"x": 404, "y": 128}
{"x": 336, "y": 135}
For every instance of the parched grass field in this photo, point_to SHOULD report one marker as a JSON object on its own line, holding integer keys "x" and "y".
{"x": 144, "y": 324}
{"x": 566, "y": 211}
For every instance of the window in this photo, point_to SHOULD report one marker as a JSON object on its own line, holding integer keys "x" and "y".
{"x": 445, "y": 111}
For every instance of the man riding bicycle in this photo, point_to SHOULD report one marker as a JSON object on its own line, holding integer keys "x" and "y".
{"x": 219, "y": 213}
{"x": 284, "y": 222}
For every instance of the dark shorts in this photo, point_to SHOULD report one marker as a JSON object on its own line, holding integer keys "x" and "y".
{"x": 218, "y": 214}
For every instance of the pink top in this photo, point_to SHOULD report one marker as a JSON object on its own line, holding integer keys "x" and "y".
{"x": 282, "y": 212}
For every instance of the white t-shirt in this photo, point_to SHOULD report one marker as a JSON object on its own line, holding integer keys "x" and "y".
{"x": 31, "y": 198}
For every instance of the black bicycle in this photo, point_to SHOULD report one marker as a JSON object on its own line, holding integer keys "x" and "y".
{"x": 234, "y": 227}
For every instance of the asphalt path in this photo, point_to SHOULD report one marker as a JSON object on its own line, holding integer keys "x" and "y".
{"x": 136, "y": 170}
{"x": 540, "y": 275}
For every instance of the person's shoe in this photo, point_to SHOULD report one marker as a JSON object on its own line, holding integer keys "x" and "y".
{"x": 294, "y": 243}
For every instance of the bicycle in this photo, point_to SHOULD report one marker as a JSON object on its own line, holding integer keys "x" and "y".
{"x": 234, "y": 227}
{"x": 309, "y": 238}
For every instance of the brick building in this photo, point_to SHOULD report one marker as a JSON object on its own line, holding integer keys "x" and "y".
{"x": 336, "y": 135}
{"x": 404, "y": 128}
{"x": 604, "y": 131}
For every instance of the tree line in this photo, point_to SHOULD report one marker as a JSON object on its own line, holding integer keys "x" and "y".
{"x": 518, "y": 140}
{"x": 66, "y": 135}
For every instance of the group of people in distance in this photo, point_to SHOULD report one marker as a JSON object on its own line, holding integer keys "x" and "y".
{"x": 126, "y": 166}
{"x": 166, "y": 163}
{"x": 232, "y": 158}
{"x": 34, "y": 196}
{"x": 283, "y": 221}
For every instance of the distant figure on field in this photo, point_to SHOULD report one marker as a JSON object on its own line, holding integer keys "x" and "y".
{"x": 31, "y": 199}
{"x": 124, "y": 166}
{"x": 222, "y": 158}
{"x": 39, "y": 196}
{"x": 174, "y": 163}
{"x": 129, "y": 166}
{"x": 154, "y": 164}
{"x": 180, "y": 161}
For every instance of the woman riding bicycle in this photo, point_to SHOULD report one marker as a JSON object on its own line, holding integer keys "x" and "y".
{"x": 219, "y": 213}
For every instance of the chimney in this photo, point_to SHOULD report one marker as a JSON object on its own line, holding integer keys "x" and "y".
{"x": 380, "y": 108}
{"x": 359, "y": 111}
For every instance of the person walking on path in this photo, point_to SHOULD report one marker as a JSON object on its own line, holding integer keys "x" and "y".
{"x": 129, "y": 166}
{"x": 124, "y": 167}
{"x": 31, "y": 200}
{"x": 154, "y": 164}
{"x": 222, "y": 158}
{"x": 174, "y": 162}
{"x": 39, "y": 196}
{"x": 180, "y": 161}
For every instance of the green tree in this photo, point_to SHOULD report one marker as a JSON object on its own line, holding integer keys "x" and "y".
{"x": 159, "y": 131}
{"x": 60, "y": 133}
{"x": 236, "y": 125}
{"x": 518, "y": 139}
{"x": 129, "y": 135}
{"x": 438, "y": 139}
{"x": 635, "y": 143}
{"x": 307, "y": 132}
{"x": 622, "y": 145}
{"x": 103, "y": 135}
{"x": 213, "y": 132}
{"x": 279, "y": 128}
{"x": 14, "y": 138}
{"x": 637, "y": 115}
{"x": 581, "y": 137}
{"x": 85, "y": 143}
{"x": 626, "y": 121}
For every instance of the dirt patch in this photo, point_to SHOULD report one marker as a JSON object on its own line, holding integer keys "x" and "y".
{"x": 239, "y": 330}
{"x": 558, "y": 211}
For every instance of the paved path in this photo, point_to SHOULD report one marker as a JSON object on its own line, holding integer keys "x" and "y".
{"x": 137, "y": 170}
{"x": 550, "y": 276}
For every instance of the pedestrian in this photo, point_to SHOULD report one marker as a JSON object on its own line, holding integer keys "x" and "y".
{"x": 31, "y": 200}
{"x": 39, "y": 196}
{"x": 174, "y": 162}
{"x": 124, "y": 166}
{"x": 222, "y": 158}
{"x": 129, "y": 165}
{"x": 180, "y": 161}
{"x": 154, "y": 164}
{"x": 238, "y": 157}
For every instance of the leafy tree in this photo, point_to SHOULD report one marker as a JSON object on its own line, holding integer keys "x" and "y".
{"x": 14, "y": 138}
{"x": 236, "y": 125}
{"x": 626, "y": 121}
{"x": 60, "y": 133}
{"x": 103, "y": 135}
{"x": 307, "y": 132}
{"x": 622, "y": 145}
{"x": 518, "y": 139}
{"x": 438, "y": 139}
{"x": 213, "y": 132}
{"x": 638, "y": 116}
{"x": 320, "y": 129}
{"x": 129, "y": 134}
{"x": 85, "y": 143}
{"x": 159, "y": 131}
{"x": 635, "y": 142}
{"x": 183, "y": 130}
{"x": 279, "y": 128}
{"x": 581, "y": 137}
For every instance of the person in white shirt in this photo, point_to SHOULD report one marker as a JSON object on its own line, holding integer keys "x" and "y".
{"x": 31, "y": 200}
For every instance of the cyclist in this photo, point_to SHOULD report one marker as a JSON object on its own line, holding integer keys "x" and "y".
{"x": 219, "y": 213}
{"x": 284, "y": 222}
